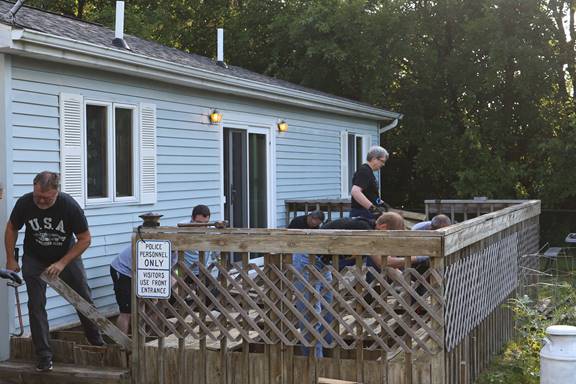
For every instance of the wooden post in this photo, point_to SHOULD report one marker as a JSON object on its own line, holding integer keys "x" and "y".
{"x": 224, "y": 367}
{"x": 182, "y": 374}
{"x": 137, "y": 341}
{"x": 160, "y": 357}
{"x": 337, "y": 351}
{"x": 245, "y": 343}
{"x": 359, "y": 331}
{"x": 203, "y": 374}
{"x": 439, "y": 374}
{"x": 274, "y": 351}
{"x": 408, "y": 356}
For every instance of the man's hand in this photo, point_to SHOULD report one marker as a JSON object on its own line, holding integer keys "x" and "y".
{"x": 54, "y": 269}
{"x": 376, "y": 211}
{"x": 12, "y": 265}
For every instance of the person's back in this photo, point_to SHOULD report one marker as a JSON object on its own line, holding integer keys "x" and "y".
{"x": 351, "y": 223}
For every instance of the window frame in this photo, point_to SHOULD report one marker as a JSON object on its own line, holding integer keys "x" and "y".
{"x": 112, "y": 199}
{"x": 347, "y": 174}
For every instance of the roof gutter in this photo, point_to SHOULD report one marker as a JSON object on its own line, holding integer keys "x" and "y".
{"x": 388, "y": 127}
{"x": 40, "y": 45}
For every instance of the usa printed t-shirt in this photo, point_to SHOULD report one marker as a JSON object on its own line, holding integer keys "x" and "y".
{"x": 49, "y": 232}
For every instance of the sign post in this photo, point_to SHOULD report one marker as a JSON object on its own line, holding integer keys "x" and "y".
{"x": 153, "y": 267}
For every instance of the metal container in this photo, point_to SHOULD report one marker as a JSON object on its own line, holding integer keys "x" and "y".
{"x": 558, "y": 356}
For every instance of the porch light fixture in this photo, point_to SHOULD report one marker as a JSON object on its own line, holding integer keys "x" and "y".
{"x": 282, "y": 126}
{"x": 215, "y": 117}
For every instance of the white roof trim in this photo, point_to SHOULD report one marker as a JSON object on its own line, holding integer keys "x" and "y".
{"x": 54, "y": 48}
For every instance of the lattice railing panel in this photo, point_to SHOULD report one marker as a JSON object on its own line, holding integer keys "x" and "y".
{"x": 477, "y": 283}
{"x": 309, "y": 306}
{"x": 528, "y": 244}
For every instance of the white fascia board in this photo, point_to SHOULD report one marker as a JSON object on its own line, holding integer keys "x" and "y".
{"x": 5, "y": 36}
{"x": 54, "y": 48}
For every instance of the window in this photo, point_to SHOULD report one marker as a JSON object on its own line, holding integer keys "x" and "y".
{"x": 354, "y": 148}
{"x": 111, "y": 154}
{"x": 107, "y": 151}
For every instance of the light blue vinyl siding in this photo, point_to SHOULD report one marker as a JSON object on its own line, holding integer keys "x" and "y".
{"x": 188, "y": 154}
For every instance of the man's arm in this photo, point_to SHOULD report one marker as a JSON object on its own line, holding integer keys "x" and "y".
{"x": 398, "y": 262}
{"x": 359, "y": 196}
{"x": 10, "y": 237}
{"x": 82, "y": 243}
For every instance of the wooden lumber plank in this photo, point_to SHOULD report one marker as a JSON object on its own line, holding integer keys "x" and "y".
{"x": 88, "y": 310}
{"x": 326, "y": 380}
{"x": 138, "y": 341}
{"x": 461, "y": 235}
{"x": 345, "y": 242}
{"x": 24, "y": 372}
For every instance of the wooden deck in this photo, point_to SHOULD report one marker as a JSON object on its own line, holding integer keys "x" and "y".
{"x": 441, "y": 325}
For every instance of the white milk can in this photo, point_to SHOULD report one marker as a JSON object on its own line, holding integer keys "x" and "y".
{"x": 558, "y": 356}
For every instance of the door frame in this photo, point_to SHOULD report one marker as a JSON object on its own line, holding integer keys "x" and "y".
{"x": 269, "y": 132}
{"x": 6, "y": 199}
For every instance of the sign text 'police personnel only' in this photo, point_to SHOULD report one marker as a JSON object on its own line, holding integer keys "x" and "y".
{"x": 153, "y": 269}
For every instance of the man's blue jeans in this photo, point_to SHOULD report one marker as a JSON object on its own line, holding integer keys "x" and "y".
{"x": 300, "y": 261}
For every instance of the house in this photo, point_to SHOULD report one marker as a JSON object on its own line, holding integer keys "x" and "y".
{"x": 129, "y": 130}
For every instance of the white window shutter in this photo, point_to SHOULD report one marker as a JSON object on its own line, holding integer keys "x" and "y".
{"x": 344, "y": 192}
{"x": 72, "y": 174}
{"x": 148, "y": 189}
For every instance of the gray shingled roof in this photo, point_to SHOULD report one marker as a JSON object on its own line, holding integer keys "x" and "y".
{"x": 72, "y": 28}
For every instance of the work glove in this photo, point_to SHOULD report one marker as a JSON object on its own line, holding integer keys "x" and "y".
{"x": 384, "y": 206}
{"x": 10, "y": 275}
{"x": 376, "y": 211}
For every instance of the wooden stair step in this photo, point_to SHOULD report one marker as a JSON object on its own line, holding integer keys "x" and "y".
{"x": 326, "y": 380}
{"x": 24, "y": 372}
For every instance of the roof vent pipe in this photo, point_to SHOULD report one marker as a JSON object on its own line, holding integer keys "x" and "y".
{"x": 119, "y": 32}
{"x": 220, "y": 47}
{"x": 9, "y": 16}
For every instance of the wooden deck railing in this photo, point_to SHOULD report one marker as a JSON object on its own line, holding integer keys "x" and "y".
{"x": 440, "y": 324}
{"x": 462, "y": 210}
{"x": 484, "y": 259}
{"x": 334, "y": 209}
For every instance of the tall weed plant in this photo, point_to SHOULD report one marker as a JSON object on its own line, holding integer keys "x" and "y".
{"x": 520, "y": 361}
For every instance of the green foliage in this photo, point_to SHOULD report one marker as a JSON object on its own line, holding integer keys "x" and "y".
{"x": 485, "y": 85}
{"x": 520, "y": 361}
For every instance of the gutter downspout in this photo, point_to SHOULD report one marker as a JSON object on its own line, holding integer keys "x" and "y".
{"x": 388, "y": 127}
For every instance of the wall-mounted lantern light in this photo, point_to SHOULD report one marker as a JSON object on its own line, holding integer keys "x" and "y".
{"x": 215, "y": 117}
{"x": 282, "y": 126}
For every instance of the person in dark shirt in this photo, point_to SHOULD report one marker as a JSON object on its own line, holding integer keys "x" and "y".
{"x": 303, "y": 262}
{"x": 309, "y": 221}
{"x": 387, "y": 221}
{"x": 53, "y": 220}
{"x": 365, "y": 197}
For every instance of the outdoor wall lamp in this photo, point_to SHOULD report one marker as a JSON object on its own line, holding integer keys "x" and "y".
{"x": 215, "y": 117}
{"x": 282, "y": 126}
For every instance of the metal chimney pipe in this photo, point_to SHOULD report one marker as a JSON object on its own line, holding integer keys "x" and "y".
{"x": 9, "y": 16}
{"x": 220, "y": 48}
{"x": 119, "y": 31}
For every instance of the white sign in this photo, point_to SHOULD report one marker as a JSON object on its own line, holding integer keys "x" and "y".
{"x": 153, "y": 277}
